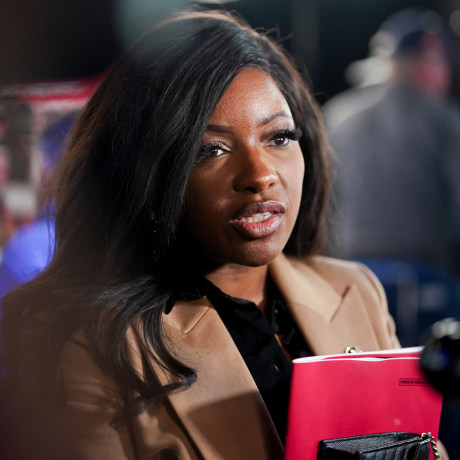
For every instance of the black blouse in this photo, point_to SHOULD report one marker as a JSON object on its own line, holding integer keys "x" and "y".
{"x": 253, "y": 334}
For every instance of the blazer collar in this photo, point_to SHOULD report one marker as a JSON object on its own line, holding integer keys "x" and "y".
{"x": 300, "y": 284}
{"x": 296, "y": 281}
{"x": 223, "y": 411}
{"x": 303, "y": 289}
{"x": 330, "y": 318}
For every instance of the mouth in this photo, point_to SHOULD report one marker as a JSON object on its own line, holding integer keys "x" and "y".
{"x": 259, "y": 220}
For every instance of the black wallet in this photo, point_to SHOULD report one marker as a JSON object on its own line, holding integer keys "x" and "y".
{"x": 381, "y": 446}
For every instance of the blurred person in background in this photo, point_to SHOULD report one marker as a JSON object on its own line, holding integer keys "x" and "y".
{"x": 19, "y": 139}
{"x": 6, "y": 218}
{"x": 31, "y": 247}
{"x": 7, "y": 224}
{"x": 398, "y": 148}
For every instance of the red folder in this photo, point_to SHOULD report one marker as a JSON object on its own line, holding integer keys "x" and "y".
{"x": 354, "y": 394}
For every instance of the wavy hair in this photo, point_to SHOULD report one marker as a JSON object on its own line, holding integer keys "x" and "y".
{"x": 121, "y": 185}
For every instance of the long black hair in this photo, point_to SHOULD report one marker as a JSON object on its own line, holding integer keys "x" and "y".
{"x": 120, "y": 191}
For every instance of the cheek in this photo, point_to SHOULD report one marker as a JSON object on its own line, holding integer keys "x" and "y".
{"x": 194, "y": 200}
{"x": 202, "y": 207}
{"x": 295, "y": 177}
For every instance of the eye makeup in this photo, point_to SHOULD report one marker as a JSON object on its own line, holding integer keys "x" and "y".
{"x": 284, "y": 134}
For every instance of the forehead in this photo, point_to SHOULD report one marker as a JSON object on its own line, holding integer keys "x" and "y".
{"x": 252, "y": 95}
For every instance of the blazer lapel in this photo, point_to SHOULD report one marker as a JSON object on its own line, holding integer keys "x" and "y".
{"x": 330, "y": 321}
{"x": 223, "y": 410}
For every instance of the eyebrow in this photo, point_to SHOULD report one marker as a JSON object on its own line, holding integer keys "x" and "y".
{"x": 228, "y": 129}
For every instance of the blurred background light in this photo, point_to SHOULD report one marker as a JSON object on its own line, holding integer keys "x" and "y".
{"x": 454, "y": 21}
{"x": 132, "y": 17}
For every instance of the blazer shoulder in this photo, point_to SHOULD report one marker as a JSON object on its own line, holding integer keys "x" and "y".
{"x": 340, "y": 274}
{"x": 349, "y": 296}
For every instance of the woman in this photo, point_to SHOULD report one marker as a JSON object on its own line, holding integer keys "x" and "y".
{"x": 189, "y": 208}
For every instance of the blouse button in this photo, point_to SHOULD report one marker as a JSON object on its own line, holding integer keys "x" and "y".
{"x": 168, "y": 454}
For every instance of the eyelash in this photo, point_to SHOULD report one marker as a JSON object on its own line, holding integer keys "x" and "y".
{"x": 291, "y": 134}
{"x": 207, "y": 150}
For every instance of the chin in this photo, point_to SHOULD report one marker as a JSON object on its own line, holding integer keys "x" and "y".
{"x": 255, "y": 255}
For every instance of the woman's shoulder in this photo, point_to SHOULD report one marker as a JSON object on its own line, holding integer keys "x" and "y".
{"x": 338, "y": 272}
{"x": 327, "y": 286}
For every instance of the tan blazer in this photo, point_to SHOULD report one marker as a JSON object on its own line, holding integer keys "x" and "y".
{"x": 222, "y": 415}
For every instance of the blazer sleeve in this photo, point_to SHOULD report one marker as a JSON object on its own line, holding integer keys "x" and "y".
{"x": 79, "y": 426}
{"x": 93, "y": 401}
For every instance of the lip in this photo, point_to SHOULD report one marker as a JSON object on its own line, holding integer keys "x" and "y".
{"x": 273, "y": 212}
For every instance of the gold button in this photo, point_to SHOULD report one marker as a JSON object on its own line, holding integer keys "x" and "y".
{"x": 352, "y": 349}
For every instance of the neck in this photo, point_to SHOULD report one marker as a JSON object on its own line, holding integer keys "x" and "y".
{"x": 247, "y": 283}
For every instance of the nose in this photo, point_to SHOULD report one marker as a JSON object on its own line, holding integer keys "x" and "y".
{"x": 255, "y": 171}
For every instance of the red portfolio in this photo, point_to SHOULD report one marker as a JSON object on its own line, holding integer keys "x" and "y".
{"x": 354, "y": 394}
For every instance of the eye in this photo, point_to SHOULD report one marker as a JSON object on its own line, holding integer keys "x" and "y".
{"x": 280, "y": 140}
{"x": 284, "y": 137}
{"x": 212, "y": 150}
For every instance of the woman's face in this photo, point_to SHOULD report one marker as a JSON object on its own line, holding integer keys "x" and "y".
{"x": 243, "y": 197}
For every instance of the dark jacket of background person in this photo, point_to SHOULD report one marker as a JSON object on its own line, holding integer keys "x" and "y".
{"x": 398, "y": 148}
{"x": 398, "y": 187}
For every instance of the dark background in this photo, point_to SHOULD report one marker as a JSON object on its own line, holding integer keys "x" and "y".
{"x": 62, "y": 39}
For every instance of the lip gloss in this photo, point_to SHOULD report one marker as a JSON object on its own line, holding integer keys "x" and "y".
{"x": 253, "y": 230}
